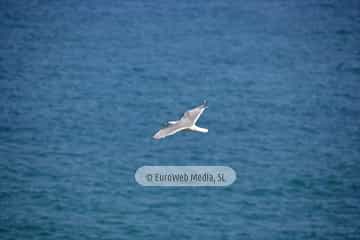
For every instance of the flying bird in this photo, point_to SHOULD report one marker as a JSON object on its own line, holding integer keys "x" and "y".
{"x": 187, "y": 122}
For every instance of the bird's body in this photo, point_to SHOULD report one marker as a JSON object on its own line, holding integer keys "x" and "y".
{"x": 187, "y": 122}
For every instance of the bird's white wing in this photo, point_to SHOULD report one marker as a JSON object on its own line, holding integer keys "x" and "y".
{"x": 170, "y": 130}
{"x": 193, "y": 115}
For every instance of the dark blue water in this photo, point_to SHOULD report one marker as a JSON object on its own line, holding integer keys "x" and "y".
{"x": 85, "y": 84}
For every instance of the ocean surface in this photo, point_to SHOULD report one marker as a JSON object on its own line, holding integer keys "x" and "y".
{"x": 85, "y": 84}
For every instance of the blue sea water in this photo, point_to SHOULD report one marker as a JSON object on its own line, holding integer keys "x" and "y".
{"x": 85, "y": 84}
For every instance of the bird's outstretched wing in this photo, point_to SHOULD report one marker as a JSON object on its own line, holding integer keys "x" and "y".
{"x": 193, "y": 115}
{"x": 170, "y": 130}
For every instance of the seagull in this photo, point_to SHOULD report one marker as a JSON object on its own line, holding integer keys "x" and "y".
{"x": 187, "y": 122}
